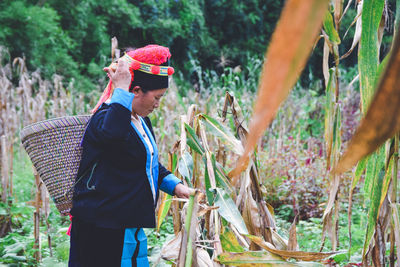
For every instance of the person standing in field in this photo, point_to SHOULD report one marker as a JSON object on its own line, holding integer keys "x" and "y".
{"x": 119, "y": 175}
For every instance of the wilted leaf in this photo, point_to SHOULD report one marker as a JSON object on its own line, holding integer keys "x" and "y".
{"x": 293, "y": 236}
{"x": 163, "y": 209}
{"x": 203, "y": 259}
{"x": 382, "y": 120}
{"x": 251, "y": 215}
{"x": 287, "y": 54}
{"x": 170, "y": 250}
{"x": 229, "y": 211}
{"x": 258, "y": 258}
{"x": 298, "y": 255}
{"x": 250, "y": 258}
{"x": 229, "y": 242}
{"x": 357, "y": 34}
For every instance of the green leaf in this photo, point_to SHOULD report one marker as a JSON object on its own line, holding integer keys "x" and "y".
{"x": 222, "y": 132}
{"x": 209, "y": 192}
{"x": 192, "y": 141}
{"x": 368, "y": 59}
{"x": 185, "y": 167}
{"x": 359, "y": 171}
{"x": 330, "y": 29}
{"x": 229, "y": 211}
{"x": 374, "y": 201}
{"x": 229, "y": 242}
{"x": 221, "y": 177}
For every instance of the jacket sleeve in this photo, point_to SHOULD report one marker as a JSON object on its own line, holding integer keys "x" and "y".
{"x": 166, "y": 180}
{"x": 111, "y": 125}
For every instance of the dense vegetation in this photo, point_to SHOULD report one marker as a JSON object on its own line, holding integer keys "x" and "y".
{"x": 72, "y": 38}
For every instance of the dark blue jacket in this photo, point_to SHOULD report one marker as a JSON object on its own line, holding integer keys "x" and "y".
{"x": 113, "y": 185}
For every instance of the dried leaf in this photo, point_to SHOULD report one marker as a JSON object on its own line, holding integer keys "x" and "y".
{"x": 287, "y": 54}
{"x": 203, "y": 259}
{"x": 170, "y": 250}
{"x": 298, "y": 255}
{"x": 163, "y": 209}
{"x": 357, "y": 34}
{"x": 250, "y": 258}
{"x": 293, "y": 236}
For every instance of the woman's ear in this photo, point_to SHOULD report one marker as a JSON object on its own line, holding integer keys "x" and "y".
{"x": 135, "y": 90}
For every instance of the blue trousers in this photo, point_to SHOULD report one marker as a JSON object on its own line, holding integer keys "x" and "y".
{"x": 96, "y": 246}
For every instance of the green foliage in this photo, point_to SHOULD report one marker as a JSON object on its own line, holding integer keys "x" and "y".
{"x": 72, "y": 38}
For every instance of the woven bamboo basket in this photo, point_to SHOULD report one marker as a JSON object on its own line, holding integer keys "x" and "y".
{"x": 54, "y": 147}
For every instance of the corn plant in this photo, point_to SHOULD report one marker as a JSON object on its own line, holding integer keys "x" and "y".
{"x": 285, "y": 59}
{"x": 232, "y": 222}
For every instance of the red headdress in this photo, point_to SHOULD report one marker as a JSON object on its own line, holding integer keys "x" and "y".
{"x": 148, "y": 67}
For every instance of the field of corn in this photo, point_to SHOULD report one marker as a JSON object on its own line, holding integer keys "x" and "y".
{"x": 271, "y": 161}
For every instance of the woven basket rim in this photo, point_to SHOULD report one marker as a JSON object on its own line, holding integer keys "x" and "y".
{"x": 45, "y": 125}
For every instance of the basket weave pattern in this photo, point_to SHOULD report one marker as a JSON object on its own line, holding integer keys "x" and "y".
{"x": 55, "y": 151}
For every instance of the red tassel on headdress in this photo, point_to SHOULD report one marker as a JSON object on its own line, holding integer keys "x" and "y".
{"x": 106, "y": 95}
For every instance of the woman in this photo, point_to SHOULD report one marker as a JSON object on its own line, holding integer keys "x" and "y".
{"x": 119, "y": 175}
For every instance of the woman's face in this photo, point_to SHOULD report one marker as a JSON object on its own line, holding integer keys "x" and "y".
{"x": 144, "y": 103}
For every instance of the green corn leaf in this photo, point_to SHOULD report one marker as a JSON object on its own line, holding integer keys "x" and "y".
{"x": 189, "y": 213}
{"x": 330, "y": 29}
{"x": 386, "y": 181}
{"x": 207, "y": 183}
{"x": 223, "y": 133}
{"x": 193, "y": 141}
{"x": 362, "y": 164}
{"x": 368, "y": 59}
{"x": 373, "y": 209}
{"x": 221, "y": 177}
{"x": 229, "y": 211}
{"x": 185, "y": 167}
{"x": 396, "y": 225}
{"x": 375, "y": 164}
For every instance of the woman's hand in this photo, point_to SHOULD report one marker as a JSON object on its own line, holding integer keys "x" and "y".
{"x": 182, "y": 191}
{"x": 121, "y": 77}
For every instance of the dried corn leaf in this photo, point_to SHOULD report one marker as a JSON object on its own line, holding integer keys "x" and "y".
{"x": 287, "y": 54}
{"x": 293, "y": 236}
{"x": 298, "y": 255}
{"x": 257, "y": 258}
{"x": 203, "y": 259}
{"x": 170, "y": 250}
{"x": 357, "y": 34}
